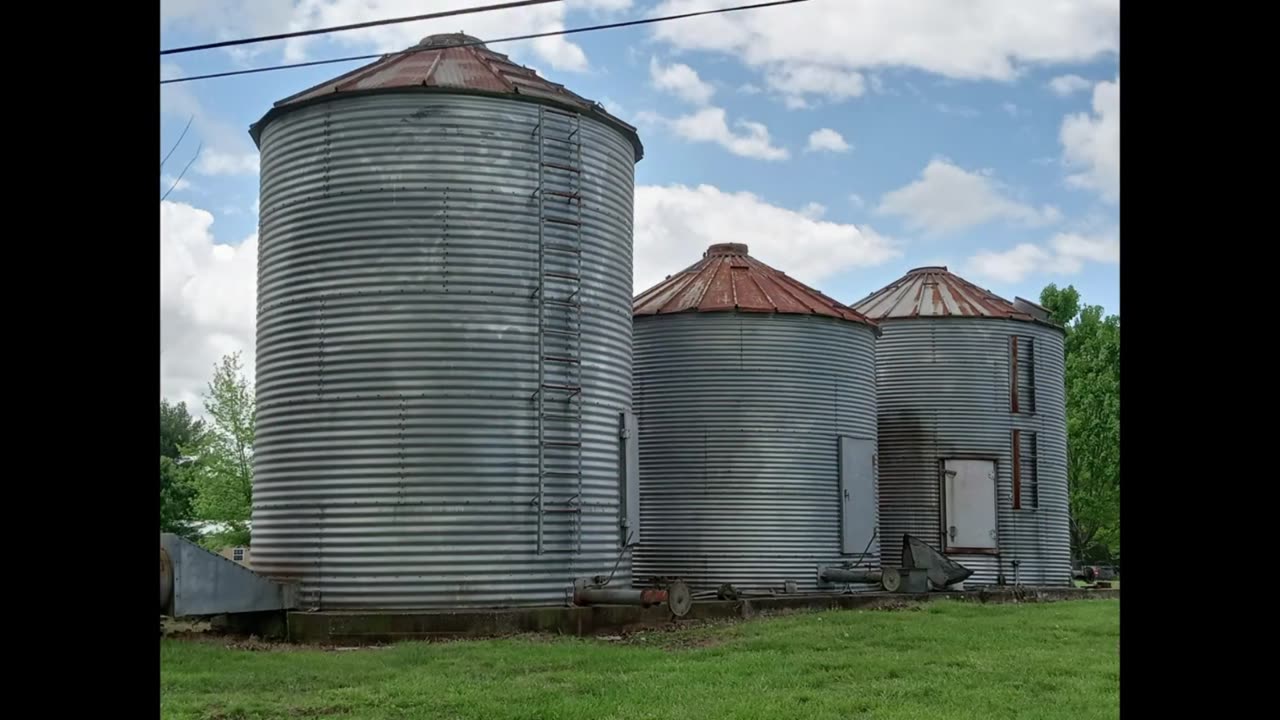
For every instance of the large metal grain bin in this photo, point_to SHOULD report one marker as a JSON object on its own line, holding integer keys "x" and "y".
{"x": 444, "y": 335}
{"x": 756, "y": 401}
{"x": 973, "y": 435}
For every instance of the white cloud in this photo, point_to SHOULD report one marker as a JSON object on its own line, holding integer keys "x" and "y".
{"x": 599, "y": 5}
{"x": 1010, "y": 108}
{"x": 813, "y": 210}
{"x": 857, "y": 200}
{"x": 214, "y": 162}
{"x": 1065, "y": 254}
{"x": 207, "y": 301}
{"x": 676, "y": 223}
{"x": 947, "y": 198}
{"x": 1065, "y": 85}
{"x": 680, "y": 80}
{"x": 709, "y": 125}
{"x": 178, "y": 184}
{"x": 1091, "y": 143}
{"x": 558, "y": 51}
{"x": 225, "y": 149}
{"x": 827, "y": 139}
{"x": 987, "y": 40}
{"x": 960, "y": 110}
{"x": 796, "y": 81}
{"x": 749, "y": 89}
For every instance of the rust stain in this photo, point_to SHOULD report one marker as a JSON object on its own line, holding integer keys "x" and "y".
{"x": 936, "y": 292}
{"x": 474, "y": 67}
{"x": 1017, "y": 469}
{"x": 728, "y": 278}
{"x": 1013, "y": 374}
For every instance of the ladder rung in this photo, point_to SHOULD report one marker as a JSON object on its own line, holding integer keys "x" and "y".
{"x": 561, "y": 358}
{"x": 562, "y": 510}
{"x": 563, "y": 194}
{"x": 566, "y": 249}
{"x": 568, "y": 140}
{"x": 562, "y": 303}
{"x": 561, "y": 275}
{"x": 558, "y": 166}
{"x": 562, "y": 443}
{"x": 556, "y": 473}
{"x": 554, "y": 386}
{"x": 562, "y": 221}
{"x": 564, "y": 333}
{"x": 561, "y": 113}
{"x": 556, "y": 416}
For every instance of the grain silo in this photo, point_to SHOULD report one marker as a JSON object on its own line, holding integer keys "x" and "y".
{"x": 973, "y": 436}
{"x": 444, "y": 336}
{"x": 756, "y": 401}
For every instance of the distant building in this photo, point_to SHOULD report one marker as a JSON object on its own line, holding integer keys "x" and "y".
{"x": 239, "y": 554}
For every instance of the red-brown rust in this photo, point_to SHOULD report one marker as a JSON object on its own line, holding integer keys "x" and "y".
{"x": 727, "y": 278}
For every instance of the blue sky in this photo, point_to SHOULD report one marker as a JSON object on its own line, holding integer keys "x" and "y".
{"x": 845, "y": 140}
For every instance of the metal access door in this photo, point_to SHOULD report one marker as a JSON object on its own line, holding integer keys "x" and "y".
{"x": 969, "y": 489}
{"x": 857, "y": 496}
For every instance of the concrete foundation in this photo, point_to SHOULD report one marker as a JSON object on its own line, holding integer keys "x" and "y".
{"x": 356, "y": 628}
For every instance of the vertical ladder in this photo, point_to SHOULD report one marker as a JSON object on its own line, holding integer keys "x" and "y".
{"x": 558, "y": 294}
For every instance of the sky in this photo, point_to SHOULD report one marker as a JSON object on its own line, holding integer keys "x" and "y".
{"x": 845, "y": 141}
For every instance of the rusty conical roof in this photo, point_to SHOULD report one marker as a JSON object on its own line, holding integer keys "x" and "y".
{"x": 937, "y": 292}
{"x": 727, "y": 278}
{"x": 451, "y": 62}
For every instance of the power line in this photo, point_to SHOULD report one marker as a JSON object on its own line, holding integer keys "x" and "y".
{"x": 184, "y": 172}
{"x": 357, "y": 26}
{"x": 513, "y": 38}
{"x": 165, "y": 159}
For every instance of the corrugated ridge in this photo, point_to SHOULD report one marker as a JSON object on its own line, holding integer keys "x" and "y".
{"x": 396, "y": 454}
{"x": 739, "y": 418}
{"x": 943, "y": 390}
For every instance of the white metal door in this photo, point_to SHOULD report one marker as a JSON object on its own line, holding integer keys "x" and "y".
{"x": 970, "y": 489}
{"x": 858, "y": 496}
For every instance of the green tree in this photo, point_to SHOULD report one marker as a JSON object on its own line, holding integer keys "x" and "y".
{"x": 177, "y": 494}
{"x": 1093, "y": 422}
{"x": 223, "y": 471}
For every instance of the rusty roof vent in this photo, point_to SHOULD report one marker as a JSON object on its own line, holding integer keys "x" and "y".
{"x": 934, "y": 291}
{"x": 727, "y": 279}
{"x": 451, "y": 63}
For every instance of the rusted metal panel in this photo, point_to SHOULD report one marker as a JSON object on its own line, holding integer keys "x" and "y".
{"x": 934, "y": 292}
{"x": 727, "y": 278}
{"x": 397, "y": 445}
{"x": 741, "y": 416}
{"x": 436, "y": 64}
{"x": 1013, "y": 374}
{"x": 1017, "y": 469}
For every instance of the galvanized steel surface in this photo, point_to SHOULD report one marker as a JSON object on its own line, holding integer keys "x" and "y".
{"x": 739, "y": 419}
{"x": 727, "y": 278}
{"x": 396, "y": 453}
{"x": 944, "y": 391}
{"x": 936, "y": 292}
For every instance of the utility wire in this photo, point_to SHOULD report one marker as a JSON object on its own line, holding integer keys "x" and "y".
{"x": 357, "y": 26}
{"x": 165, "y": 159}
{"x": 513, "y": 38}
{"x": 184, "y": 172}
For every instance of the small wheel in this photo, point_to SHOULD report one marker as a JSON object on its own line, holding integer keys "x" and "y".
{"x": 679, "y": 598}
{"x": 890, "y": 579}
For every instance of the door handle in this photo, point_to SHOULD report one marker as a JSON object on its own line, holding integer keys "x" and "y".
{"x": 952, "y": 532}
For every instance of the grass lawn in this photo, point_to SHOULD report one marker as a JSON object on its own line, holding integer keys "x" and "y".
{"x": 942, "y": 659}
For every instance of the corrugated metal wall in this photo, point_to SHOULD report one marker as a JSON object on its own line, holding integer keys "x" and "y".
{"x": 944, "y": 391}
{"x": 739, "y": 418}
{"x": 397, "y": 354}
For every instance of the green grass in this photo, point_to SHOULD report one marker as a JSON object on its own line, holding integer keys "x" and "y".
{"x": 942, "y": 659}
